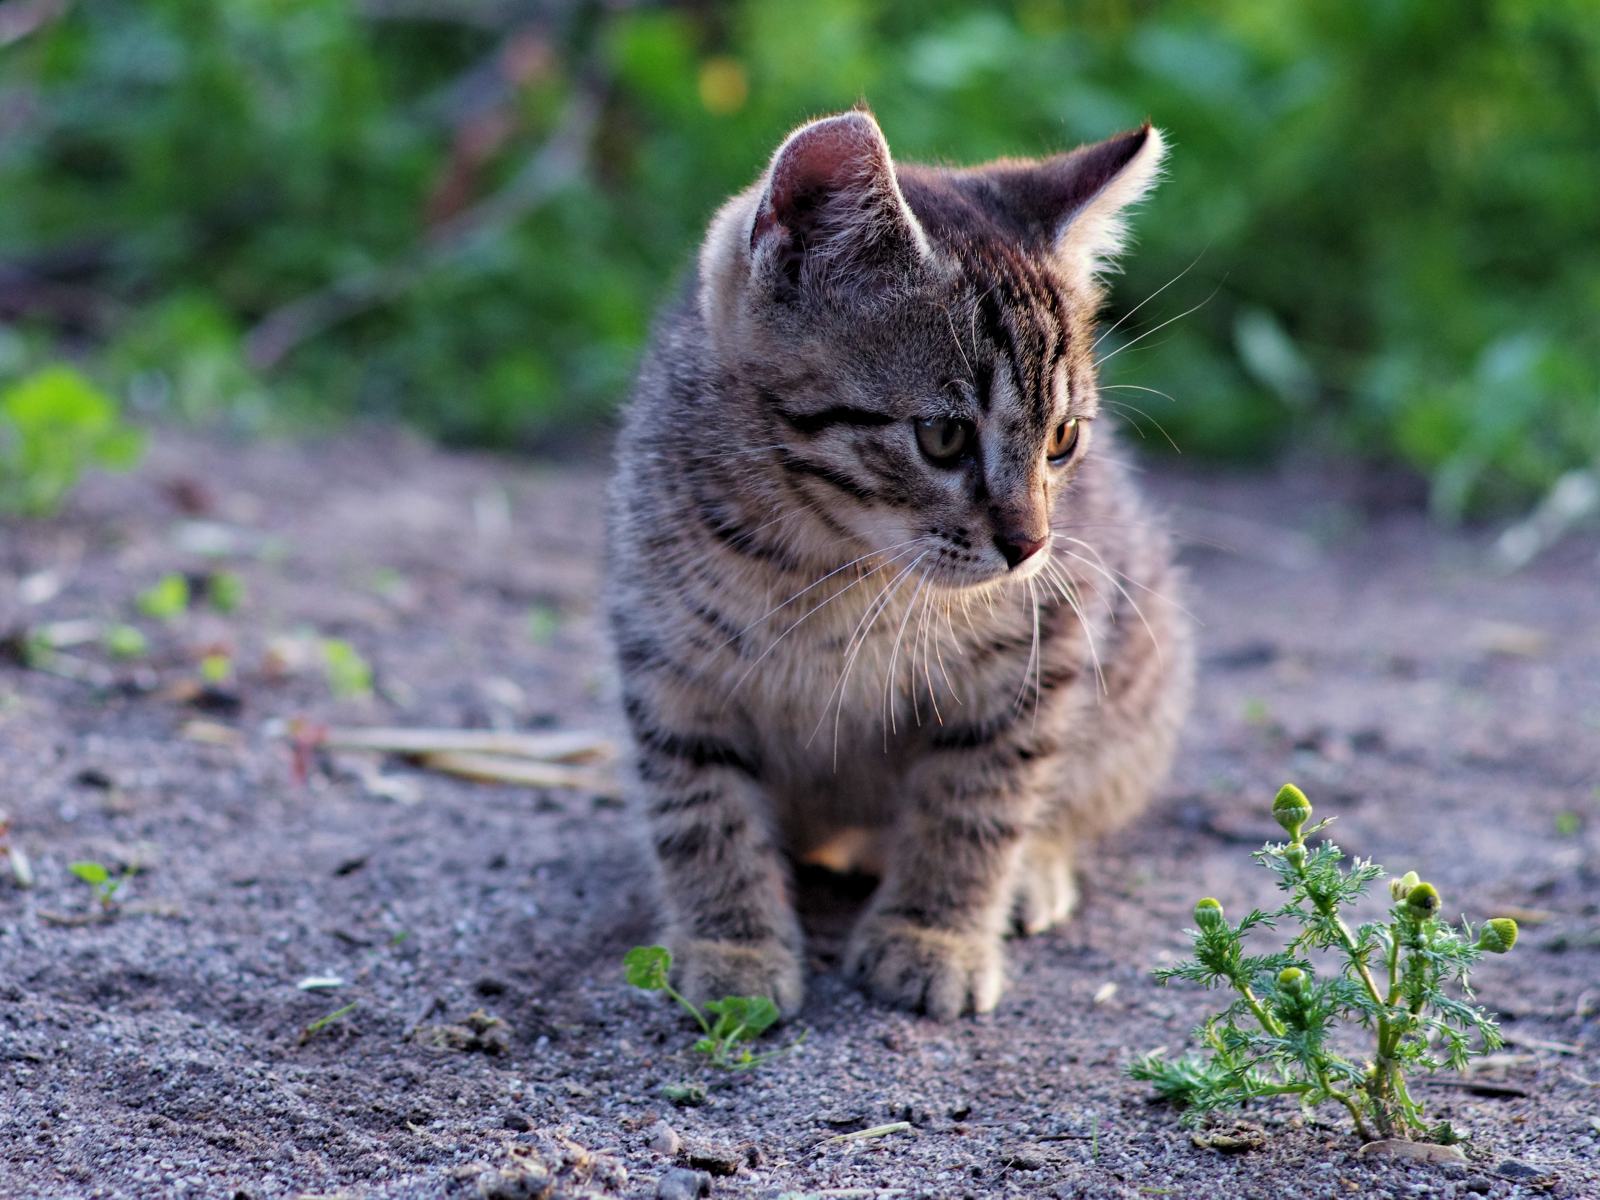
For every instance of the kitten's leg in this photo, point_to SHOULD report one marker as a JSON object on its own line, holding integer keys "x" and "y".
{"x": 930, "y": 940}
{"x": 731, "y": 928}
{"x": 1045, "y": 892}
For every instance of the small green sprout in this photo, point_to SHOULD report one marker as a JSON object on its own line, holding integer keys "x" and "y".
{"x": 102, "y": 882}
{"x": 124, "y": 641}
{"x": 226, "y": 592}
{"x": 348, "y": 674}
{"x": 1389, "y": 977}
{"x": 311, "y": 1030}
{"x": 738, "y": 1019}
{"x": 167, "y": 600}
{"x": 216, "y": 668}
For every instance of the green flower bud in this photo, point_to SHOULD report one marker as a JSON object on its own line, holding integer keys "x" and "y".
{"x": 1295, "y": 855}
{"x": 1498, "y": 935}
{"x": 1292, "y": 979}
{"x": 1400, "y": 888}
{"x": 1291, "y": 809}
{"x": 1422, "y": 901}
{"x": 1208, "y": 914}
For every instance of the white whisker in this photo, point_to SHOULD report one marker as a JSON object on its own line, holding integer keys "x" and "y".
{"x": 1130, "y": 345}
{"x": 1145, "y": 301}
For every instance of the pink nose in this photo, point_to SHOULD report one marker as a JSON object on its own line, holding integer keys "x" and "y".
{"x": 1018, "y": 547}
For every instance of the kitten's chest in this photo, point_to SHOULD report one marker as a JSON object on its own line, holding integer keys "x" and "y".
{"x": 864, "y": 669}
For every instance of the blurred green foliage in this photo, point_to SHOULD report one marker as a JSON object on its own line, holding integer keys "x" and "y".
{"x": 1381, "y": 212}
{"x": 54, "y": 425}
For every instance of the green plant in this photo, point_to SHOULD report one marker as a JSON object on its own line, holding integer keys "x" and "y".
{"x": 737, "y": 1019}
{"x": 1397, "y": 271}
{"x": 167, "y": 599}
{"x": 54, "y": 425}
{"x": 226, "y": 591}
{"x": 347, "y": 672}
{"x": 104, "y": 884}
{"x": 124, "y": 641}
{"x": 1389, "y": 978}
{"x": 307, "y": 1032}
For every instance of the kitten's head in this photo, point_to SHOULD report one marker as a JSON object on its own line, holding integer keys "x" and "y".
{"x": 916, "y": 341}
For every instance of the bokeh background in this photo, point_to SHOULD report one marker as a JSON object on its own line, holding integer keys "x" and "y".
{"x": 1380, "y": 240}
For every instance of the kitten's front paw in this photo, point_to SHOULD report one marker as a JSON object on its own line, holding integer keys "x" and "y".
{"x": 1045, "y": 891}
{"x": 933, "y": 971}
{"x": 714, "y": 970}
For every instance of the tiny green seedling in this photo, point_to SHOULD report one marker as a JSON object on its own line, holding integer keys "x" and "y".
{"x": 167, "y": 600}
{"x": 1391, "y": 978}
{"x": 738, "y": 1019}
{"x": 348, "y": 674}
{"x": 216, "y": 668}
{"x": 102, "y": 882}
{"x": 321, "y": 1023}
{"x": 124, "y": 641}
{"x": 226, "y": 592}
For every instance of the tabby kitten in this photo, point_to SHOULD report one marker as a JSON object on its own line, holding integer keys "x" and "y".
{"x": 881, "y": 598}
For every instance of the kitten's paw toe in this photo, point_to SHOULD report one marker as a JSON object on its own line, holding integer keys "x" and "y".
{"x": 713, "y": 970}
{"x": 933, "y": 971}
{"x": 1046, "y": 893}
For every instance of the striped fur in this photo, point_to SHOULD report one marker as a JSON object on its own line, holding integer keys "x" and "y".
{"x": 823, "y": 650}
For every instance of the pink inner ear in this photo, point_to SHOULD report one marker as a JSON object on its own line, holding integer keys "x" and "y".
{"x": 822, "y": 159}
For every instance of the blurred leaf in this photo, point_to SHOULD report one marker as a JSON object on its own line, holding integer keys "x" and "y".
{"x": 54, "y": 425}
{"x": 349, "y": 675}
{"x": 90, "y": 872}
{"x": 167, "y": 599}
{"x": 124, "y": 641}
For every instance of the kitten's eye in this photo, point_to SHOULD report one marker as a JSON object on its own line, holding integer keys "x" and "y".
{"x": 1063, "y": 441}
{"x": 944, "y": 439}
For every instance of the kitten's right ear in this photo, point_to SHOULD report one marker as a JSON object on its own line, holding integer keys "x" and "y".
{"x": 1076, "y": 203}
{"x": 831, "y": 213}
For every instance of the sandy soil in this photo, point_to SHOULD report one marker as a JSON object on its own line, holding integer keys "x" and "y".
{"x": 1451, "y": 719}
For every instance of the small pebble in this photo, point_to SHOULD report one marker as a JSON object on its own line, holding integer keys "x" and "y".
{"x": 663, "y": 1139}
{"x": 681, "y": 1184}
{"x": 1478, "y": 1185}
{"x": 719, "y": 1160}
{"x": 1513, "y": 1169}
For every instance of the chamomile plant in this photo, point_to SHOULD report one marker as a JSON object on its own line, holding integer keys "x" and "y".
{"x": 1403, "y": 980}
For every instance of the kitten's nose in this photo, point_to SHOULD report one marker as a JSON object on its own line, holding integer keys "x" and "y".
{"x": 1018, "y": 546}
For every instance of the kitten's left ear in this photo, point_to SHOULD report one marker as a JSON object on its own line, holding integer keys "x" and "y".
{"x": 1076, "y": 202}
{"x": 831, "y": 213}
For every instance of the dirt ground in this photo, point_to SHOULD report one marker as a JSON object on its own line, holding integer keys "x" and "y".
{"x": 1451, "y": 719}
